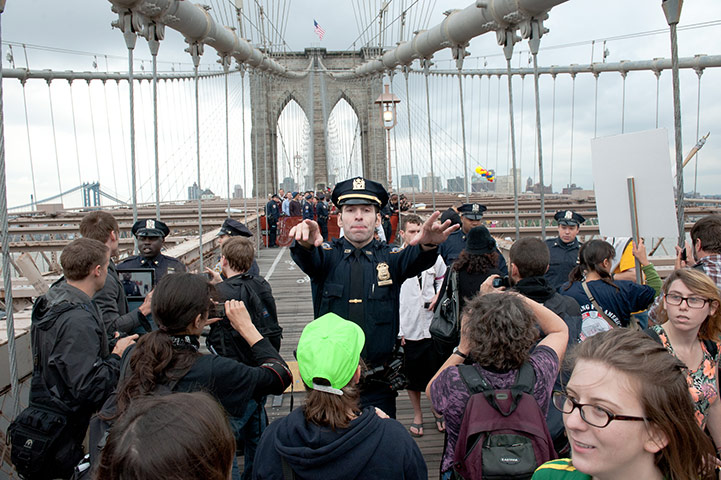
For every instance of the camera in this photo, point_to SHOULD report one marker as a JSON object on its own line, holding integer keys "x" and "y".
{"x": 218, "y": 310}
{"x": 501, "y": 282}
{"x": 391, "y": 374}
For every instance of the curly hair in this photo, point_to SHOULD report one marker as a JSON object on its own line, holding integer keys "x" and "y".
{"x": 501, "y": 330}
{"x": 476, "y": 263}
{"x": 700, "y": 284}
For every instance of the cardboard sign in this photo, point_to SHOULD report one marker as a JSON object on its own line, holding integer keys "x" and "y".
{"x": 645, "y": 157}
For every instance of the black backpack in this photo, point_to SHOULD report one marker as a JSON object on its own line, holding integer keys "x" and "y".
{"x": 503, "y": 434}
{"x": 257, "y": 295}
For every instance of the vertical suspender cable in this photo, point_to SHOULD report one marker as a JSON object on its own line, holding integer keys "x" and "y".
{"x": 658, "y": 85}
{"x": 534, "y": 43}
{"x": 459, "y": 63}
{"x": 410, "y": 138}
{"x": 595, "y": 106}
{"x": 672, "y": 11}
{"x": 30, "y": 148}
{"x": 75, "y": 132}
{"x": 7, "y": 280}
{"x": 498, "y": 119}
{"x": 55, "y": 138}
{"x": 699, "y": 72}
{"x": 196, "y": 50}
{"x": 553, "y": 129}
{"x": 573, "y": 124}
{"x": 255, "y": 153}
{"x": 154, "y": 44}
{"x": 623, "y": 103}
{"x": 266, "y": 134}
{"x": 488, "y": 120}
{"x": 245, "y": 173}
{"x": 426, "y": 62}
{"x": 226, "y": 66}
{"x": 110, "y": 142}
{"x": 510, "y": 39}
{"x": 95, "y": 140}
{"x": 126, "y": 26}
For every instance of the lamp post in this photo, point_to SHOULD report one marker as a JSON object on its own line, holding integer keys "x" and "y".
{"x": 387, "y": 109}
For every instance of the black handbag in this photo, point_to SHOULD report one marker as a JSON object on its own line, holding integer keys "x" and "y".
{"x": 446, "y": 323}
{"x": 43, "y": 444}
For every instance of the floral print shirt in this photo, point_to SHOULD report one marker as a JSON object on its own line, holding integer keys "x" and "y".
{"x": 701, "y": 381}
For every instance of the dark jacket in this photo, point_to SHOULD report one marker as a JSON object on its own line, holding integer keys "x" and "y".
{"x": 384, "y": 269}
{"x": 113, "y": 305}
{"x": 456, "y": 242}
{"x": 564, "y": 257}
{"x": 162, "y": 264}
{"x": 370, "y": 448}
{"x": 295, "y": 208}
{"x": 538, "y": 289}
{"x": 75, "y": 371}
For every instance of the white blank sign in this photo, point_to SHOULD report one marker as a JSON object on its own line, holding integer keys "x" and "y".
{"x": 645, "y": 157}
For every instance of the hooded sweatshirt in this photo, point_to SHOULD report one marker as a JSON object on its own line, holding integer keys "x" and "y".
{"x": 370, "y": 448}
{"x": 74, "y": 370}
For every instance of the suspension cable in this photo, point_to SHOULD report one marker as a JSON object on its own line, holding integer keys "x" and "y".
{"x": 55, "y": 138}
{"x": 573, "y": 125}
{"x": 426, "y": 62}
{"x": 595, "y": 106}
{"x": 196, "y": 50}
{"x": 5, "y": 245}
{"x": 30, "y": 148}
{"x": 410, "y": 139}
{"x": 110, "y": 138}
{"x": 508, "y": 51}
{"x": 553, "y": 130}
{"x": 75, "y": 133}
{"x": 699, "y": 72}
{"x": 658, "y": 85}
{"x": 534, "y": 43}
{"x": 463, "y": 123}
{"x": 92, "y": 126}
{"x": 623, "y": 103}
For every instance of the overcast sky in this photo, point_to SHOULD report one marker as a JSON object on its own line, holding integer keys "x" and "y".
{"x": 82, "y": 27}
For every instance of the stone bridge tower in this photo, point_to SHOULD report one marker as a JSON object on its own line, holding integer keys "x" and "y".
{"x": 316, "y": 93}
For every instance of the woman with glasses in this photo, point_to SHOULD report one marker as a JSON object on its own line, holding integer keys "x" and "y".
{"x": 689, "y": 326}
{"x": 628, "y": 415}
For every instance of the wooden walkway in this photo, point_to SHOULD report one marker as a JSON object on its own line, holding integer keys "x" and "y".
{"x": 291, "y": 289}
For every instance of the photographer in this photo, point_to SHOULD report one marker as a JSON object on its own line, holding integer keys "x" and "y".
{"x": 257, "y": 296}
{"x": 331, "y": 437}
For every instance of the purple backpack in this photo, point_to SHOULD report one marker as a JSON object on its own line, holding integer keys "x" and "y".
{"x": 503, "y": 433}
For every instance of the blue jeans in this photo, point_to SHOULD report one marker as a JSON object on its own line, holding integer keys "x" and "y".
{"x": 247, "y": 431}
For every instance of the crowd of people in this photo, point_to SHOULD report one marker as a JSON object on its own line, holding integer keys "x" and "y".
{"x": 636, "y": 397}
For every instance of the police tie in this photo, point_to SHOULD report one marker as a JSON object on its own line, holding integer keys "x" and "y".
{"x": 356, "y": 296}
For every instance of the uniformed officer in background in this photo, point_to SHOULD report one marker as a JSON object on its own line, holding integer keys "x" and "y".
{"x": 471, "y": 216}
{"x": 308, "y": 208}
{"x": 272, "y": 214}
{"x": 151, "y": 237}
{"x": 321, "y": 211}
{"x": 231, "y": 228}
{"x": 359, "y": 278}
{"x": 564, "y": 248}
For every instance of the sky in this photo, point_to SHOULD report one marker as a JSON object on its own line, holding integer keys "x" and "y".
{"x": 81, "y": 37}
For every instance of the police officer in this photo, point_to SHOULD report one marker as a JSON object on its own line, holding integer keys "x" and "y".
{"x": 308, "y": 208}
{"x": 151, "y": 237}
{"x": 471, "y": 216}
{"x": 359, "y": 278}
{"x": 564, "y": 248}
{"x": 272, "y": 214}
{"x": 231, "y": 228}
{"x": 321, "y": 211}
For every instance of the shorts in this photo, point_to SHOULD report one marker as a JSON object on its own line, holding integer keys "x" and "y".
{"x": 421, "y": 363}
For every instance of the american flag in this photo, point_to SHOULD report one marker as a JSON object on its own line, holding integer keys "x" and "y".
{"x": 318, "y": 30}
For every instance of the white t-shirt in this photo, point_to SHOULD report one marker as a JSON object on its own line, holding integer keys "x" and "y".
{"x": 415, "y": 292}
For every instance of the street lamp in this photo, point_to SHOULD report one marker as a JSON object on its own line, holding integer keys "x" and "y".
{"x": 387, "y": 108}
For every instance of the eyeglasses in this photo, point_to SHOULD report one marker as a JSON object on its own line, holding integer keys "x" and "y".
{"x": 692, "y": 302}
{"x": 591, "y": 414}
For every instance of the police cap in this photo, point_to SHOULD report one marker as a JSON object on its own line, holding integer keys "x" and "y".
{"x": 472, "y": 211}
{"x": 150, "y": 228}
{"x": 569, "y": 217}
{"x": 359, "y": 191}
{"x": 234, "y": 228}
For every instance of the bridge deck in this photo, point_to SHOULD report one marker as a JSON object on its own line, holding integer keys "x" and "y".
{"x": 291, "y": 288}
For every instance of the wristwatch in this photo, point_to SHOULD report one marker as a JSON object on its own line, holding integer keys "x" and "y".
{"x": 456, "y": 351}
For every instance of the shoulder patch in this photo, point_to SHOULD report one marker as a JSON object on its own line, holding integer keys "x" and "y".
{"x": 396, "y": 249}
{"x": 326, "y": 246}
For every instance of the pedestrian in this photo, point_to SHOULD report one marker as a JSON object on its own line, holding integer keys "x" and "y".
{"x": 359, "y": 278}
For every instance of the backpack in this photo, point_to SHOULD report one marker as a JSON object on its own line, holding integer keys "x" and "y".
{"x": 503, "y": 433}
{"x": 445, "y": 326}
{"x": 257, "y": 296}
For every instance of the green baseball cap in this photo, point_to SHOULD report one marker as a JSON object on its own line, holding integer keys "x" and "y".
{"x": 329, "y": 348}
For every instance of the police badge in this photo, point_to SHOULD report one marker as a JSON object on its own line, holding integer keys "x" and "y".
{"x": 359, "y": 184}
{"x": 384, "y": 275}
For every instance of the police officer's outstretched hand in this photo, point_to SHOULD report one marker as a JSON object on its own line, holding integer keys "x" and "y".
{"x": 307, "y": 233}
{"x": 240, "y": 320}
{"x": 433, "y": 233}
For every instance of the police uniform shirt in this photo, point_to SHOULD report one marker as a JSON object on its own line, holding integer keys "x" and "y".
{"x": 322, "y": 211}
{"x": 271, "y": 211}
{"x": 564, "y": 257}
{"x": 162, "y": 264}
{"x": 384, "y": 268}
{"x": 451, "y": 249}
{"x": 308, "y": 211}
